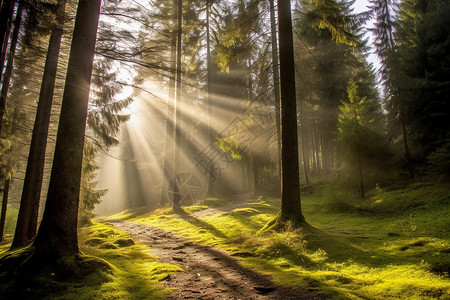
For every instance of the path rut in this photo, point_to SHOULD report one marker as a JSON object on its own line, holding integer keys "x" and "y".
{"x": 208, "y": 273}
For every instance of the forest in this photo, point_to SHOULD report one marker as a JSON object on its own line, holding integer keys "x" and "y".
{"x": 211, "y": 149}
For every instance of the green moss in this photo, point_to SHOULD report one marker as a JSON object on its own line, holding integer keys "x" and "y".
{"x": 358, "y": 249}
{"x": 105, "y": 271}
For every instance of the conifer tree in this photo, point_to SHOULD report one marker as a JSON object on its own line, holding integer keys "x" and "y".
{"x": 29, "y": 207}
{"x": 57, "y": 236}
{"x": 290, "y": 181}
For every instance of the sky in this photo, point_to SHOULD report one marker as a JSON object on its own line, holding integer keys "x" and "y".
{"x": 360, "y": 6}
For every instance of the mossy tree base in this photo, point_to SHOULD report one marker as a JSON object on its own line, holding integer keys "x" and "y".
{"x": 283, "y": 222}
{"x": 176, "y": 209}
{"x": 25, "y": 275}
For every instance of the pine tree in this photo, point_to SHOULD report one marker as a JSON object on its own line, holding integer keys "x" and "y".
{"x": 290, "y": 181}
{"x": 28, "y": 213}
{"x": 57, "y": 235}
{"x": 361, "y": 142}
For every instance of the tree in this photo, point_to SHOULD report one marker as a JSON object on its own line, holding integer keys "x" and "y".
{"x": 6, "y": 13}
{"x": 276, "y": 79}
{"x": 290, "y": 181}
{"x": 422, "y": 31}
{"x": 57, "y": 236}
{"x": 9, "y": 67}
{"x": 4, "y": 206}
{"x": 392, "y": 76}
{"x": 28, "y": 213}
{"x": 177, "y": 152}
{"x": 359, "y": 136}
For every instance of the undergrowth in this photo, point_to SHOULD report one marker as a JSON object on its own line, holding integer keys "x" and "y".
{"x": 393, "y": 244}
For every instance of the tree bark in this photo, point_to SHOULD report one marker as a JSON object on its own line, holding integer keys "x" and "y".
{"x": 4, "y": 207}
{"x": 276, "y": 80}
{"x": 176, "y": 195}
{"x": 170, "y": 114}
{"x": 361, "y": 182}
{"x": 305, "y": 154}
{"x": 405, "y": 144}
{"x": 290, "y": 181}
{"x": 9, "y": 67}
{"x": 6, "y": 13}
{"x": 57, "y": 236}
{"x": 211, "y": 179}
{"x": 29, "y": 205}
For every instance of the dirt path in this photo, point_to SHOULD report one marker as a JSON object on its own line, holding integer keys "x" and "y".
{"x": 208, "y": 272}
{"x": 238, "y": 201}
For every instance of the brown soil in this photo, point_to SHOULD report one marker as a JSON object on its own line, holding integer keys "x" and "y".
{"x": 208, "y": 273}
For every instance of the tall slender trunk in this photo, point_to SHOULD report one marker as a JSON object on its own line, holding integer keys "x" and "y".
{"x": 57, "y": 236}
{"x": 4, "y": 207}
{"x": 10, "y": 64}
{"x": 211, "y": 179}
{"x": 317, "y": 150}
{"x": 324, "y": 154}
{"x": 405, "y": 144}
{"x": 276, "y": 80}
{"x": 6, "y": 13}
{"x": 290, "y": 181}
{"x": 256, "y": 179}
{"x": 170, "y": 112}
{"x": 361, "y": 182}
{"x": 305, "y": 154}
{"x": 176, "y": 194}
{"x": 29, "y": 205}
{"x": 313, "y": 152}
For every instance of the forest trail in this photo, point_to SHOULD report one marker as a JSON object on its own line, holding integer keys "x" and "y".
{"x": 208, "y": 273}
{"x": 238, "y": 201}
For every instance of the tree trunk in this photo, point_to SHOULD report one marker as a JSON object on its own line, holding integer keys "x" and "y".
{"x": 29, "y": 205}
{"x": 10, "y": 65}
{"x": 170, "y": 112}
{"x": 6, "y": 13}
{"x": 57, "y": 236}
{"x": 176, "y": 195}
{"x": 256, "y": 180}
{"x": 290, "y": 181}
{"x": 361, "y": 182}
{"x": 305, "y": 155}
{"x": 4, "y": 207}
{"x": 211, "y": 179}
{"x": 319, "y": 165}
{"x": 276, "y": 80}
{"x": 405, "y": 144}
{"x": 313, "y": 151}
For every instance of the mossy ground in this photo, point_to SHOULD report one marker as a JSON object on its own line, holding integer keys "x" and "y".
{"x": 393, "y": 244}
{"x": 130, "y": 272}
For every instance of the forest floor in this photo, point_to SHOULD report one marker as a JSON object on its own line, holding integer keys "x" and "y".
{"x": 393, "y": 244}
{"x": 209, "y": 273}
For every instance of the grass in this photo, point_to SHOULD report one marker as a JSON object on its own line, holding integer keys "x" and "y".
{"x": 132, "y": 274}
{"x": 393, "y": 244}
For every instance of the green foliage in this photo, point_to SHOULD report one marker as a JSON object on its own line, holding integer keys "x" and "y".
{"x": 422, "y": 66}
{"x": 360, "y": 138}
{"x": 89, "y": 196}
{"x": 331, "y": 15}
{"x": 439, "y": 161}
{"x": 229, "y": 144}
{"x": 104, "y": 117}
